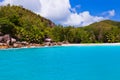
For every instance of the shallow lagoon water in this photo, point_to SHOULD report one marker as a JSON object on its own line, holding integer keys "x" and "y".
{"x": 61, "y": 63}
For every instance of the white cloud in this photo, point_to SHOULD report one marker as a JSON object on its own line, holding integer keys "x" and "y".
{"x": 75, "y": 8}
{"x": 33, "y": 5}
{"x": 59, "y": 11}
{"x": 82, "y": 19}
{"x": 111, "y": 13}
{"x": 56, "y": 10}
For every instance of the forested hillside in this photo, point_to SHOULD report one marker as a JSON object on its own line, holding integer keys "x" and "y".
{"x": 25, "y": 25}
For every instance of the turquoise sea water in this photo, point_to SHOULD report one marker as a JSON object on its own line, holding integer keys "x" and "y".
{"x": 61, "y": 63}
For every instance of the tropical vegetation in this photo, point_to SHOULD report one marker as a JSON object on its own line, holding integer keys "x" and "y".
{"x": 24, "y": 25}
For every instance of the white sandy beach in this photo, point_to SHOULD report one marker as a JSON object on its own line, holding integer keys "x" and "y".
{"x": 93, "y": 44}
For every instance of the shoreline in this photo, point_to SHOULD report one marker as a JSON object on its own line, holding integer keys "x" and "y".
{"x": 86, "y": 44}
{"x": 93, "y": 44}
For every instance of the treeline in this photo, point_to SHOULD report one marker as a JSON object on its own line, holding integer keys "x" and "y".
{"x": 24, "y": 25}
{"x": 100, "y": 32}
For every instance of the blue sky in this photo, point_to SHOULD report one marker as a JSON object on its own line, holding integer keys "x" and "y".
{"x": 96, "y": 7}
{"x": 72, "y": 12}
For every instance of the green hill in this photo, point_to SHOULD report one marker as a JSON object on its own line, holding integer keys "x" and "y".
{"x": 115, "y": 23}
{"x": 23, "y": 24}
{"x": 105, "y": 31}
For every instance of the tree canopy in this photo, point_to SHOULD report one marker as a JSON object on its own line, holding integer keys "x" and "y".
{"x": 24, "y": 25}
